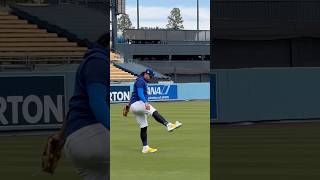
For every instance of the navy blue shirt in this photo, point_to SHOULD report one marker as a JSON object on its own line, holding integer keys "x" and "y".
{"x": 139, "y": 83}
{"x": 94, "y": 69}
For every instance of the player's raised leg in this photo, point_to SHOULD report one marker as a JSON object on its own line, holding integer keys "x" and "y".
{"x": 159, "y": 118}
{"x": 173, "y": 126}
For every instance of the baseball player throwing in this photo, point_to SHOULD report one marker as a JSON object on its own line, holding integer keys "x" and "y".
{"x": 140, "y": 107}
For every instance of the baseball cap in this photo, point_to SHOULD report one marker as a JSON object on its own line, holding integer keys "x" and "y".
{"x": 150, "y": 72}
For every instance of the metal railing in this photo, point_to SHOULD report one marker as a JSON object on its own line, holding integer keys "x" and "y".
{"x": 166, "y": 36}
{"x": 29, "y": 62}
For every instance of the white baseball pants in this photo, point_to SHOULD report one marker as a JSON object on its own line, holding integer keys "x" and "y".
{"x": 141, "y": 113}
{"x": 88, "y": 150}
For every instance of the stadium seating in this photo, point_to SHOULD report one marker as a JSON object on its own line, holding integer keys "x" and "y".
{"x": 116, "y": 57}
{"x": 21, "y": 41}
{"x": 118, "y": 75}
{"x": 72, "y": 21}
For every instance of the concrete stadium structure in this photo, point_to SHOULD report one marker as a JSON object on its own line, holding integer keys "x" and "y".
{"x": 184, "y": 55}
{"x": 266, "y": 60}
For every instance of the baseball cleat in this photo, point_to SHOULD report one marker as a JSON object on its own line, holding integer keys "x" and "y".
{"x": 171, "y": 127}
{"x": 148, "y": 149}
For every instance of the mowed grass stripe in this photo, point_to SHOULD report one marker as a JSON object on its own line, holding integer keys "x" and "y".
{"x": 21, "y": 160}
{"x": 183, "y": 154}
{"x": 274, "y": 151}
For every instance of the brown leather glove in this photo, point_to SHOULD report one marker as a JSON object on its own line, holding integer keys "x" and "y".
{"x": 52, "y": 153}
{"x": 125, "y": 110}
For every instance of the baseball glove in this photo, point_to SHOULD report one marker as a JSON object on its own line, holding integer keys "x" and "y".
{"x": 51, "y": 154}
{"x": 125, "y": 110}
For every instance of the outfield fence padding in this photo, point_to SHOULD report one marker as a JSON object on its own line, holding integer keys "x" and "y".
{"x": 39, "y": 100}
{"x": 265, "y": 94}
{"x": 32, "y": 101}
{"x": 120, "y": 93}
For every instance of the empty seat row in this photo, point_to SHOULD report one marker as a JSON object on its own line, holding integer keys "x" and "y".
{"x": 19, "y": 38}
{"x": 117, "y": 74}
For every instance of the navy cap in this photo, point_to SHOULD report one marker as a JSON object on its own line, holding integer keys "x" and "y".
{"x": 150, "y": 72}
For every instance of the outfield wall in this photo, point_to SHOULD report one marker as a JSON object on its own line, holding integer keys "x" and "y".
{"x": 32, "y": 101}
{"x": 267, "y": 94}
{"x": 163, "y": 92}
{"x": 39, "y": 100}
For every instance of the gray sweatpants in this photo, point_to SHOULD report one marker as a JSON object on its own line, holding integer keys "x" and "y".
{"x": 88, "y": 149}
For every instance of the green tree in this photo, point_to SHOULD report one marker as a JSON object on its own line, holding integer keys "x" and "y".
{"x": 124, "y": 22}
{"x": 175, "y": 19}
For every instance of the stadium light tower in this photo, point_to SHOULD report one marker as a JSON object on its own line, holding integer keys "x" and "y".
{"x": 198, "y": 15}
{"x": 114, "y": 23}
{"x": 138, "y": 14}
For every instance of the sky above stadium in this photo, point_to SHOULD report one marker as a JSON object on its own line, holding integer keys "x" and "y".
{"x": 155, "y": 12}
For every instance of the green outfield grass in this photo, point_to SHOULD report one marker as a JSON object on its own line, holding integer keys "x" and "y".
{"x": 183, "y": 154}
{"x": 266, "y": 152}
{"x": 20, "y": 159}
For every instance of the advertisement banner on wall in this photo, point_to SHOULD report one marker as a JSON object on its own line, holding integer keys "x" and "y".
{"x": 31, "y": 102}
{"x": 119, "y": 94}
{"x": 156, "y": 92}
{"x": 162, "y": 92}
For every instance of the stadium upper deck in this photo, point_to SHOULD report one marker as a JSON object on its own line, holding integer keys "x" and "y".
{"x": 184, "y": 55}
{"x": 162, "y": 44}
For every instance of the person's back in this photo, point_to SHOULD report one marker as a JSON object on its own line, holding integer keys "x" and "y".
{"x": 80, "y": 113}
{"x": 85, "y": 130}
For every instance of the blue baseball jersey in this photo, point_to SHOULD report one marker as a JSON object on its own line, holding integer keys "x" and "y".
{"x": 139, "y": 83}
{"x": 94, "y": 69}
